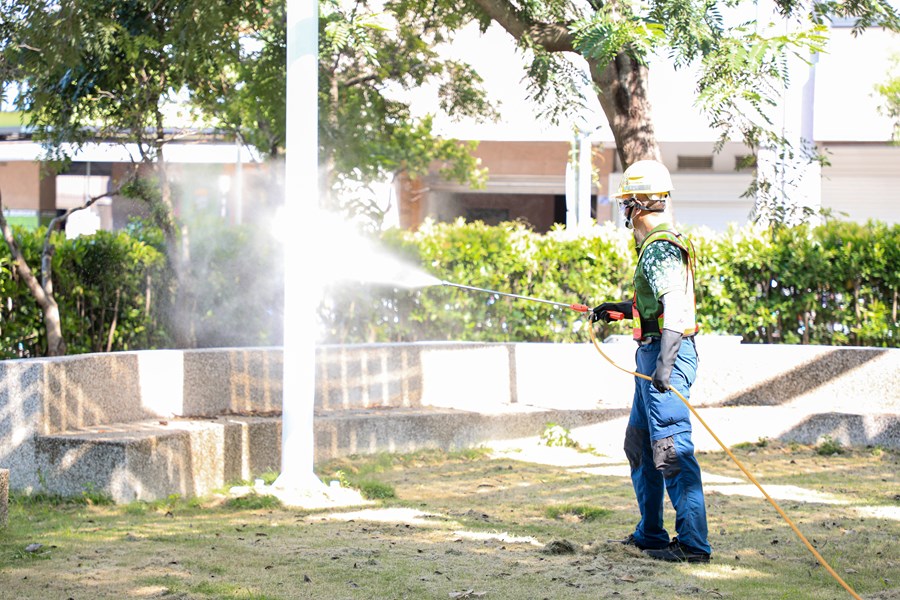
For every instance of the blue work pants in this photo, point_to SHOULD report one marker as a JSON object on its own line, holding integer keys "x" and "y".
{"x": 661, "y": 454}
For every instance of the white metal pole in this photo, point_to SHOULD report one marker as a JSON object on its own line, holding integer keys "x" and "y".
{"x": 571, "y": 196}
{"x": 801, "y": 99}
{"x": 584, "y": 179}
{"x": 301, "y": 204}
{"x": 238, "y": 184}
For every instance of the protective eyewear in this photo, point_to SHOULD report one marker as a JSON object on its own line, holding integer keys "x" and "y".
{"x": 627, "y": 205}
{"x": 628, "y": 202}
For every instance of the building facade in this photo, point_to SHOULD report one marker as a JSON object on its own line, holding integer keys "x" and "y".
{"x": 529, "y": 161}
{"x": 832, "y": 102}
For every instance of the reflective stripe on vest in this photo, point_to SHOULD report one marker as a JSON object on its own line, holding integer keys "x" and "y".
{"x": 643, "y": 327}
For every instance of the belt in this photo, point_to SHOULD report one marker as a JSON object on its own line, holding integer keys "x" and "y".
{"x": 649, "y": 339}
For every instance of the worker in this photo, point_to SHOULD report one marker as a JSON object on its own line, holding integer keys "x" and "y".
{"x": 658, "y": 436}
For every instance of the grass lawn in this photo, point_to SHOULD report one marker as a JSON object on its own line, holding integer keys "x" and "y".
{"x": 467, "y": 525}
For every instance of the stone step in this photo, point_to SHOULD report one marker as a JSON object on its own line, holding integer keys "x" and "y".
{"x": 151, "y": 460}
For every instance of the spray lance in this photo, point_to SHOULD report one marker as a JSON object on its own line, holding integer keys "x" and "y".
{"x": 576, "y": 307}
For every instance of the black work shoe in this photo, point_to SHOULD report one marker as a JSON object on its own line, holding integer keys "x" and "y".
{"x": 631, "y": 541}
{"x": 678, "y": 552}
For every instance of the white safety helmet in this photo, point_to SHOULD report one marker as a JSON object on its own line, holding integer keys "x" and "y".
{"x": 647, "y": 177}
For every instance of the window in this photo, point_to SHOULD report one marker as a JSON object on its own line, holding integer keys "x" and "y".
{"x": 489, "y": 216}
{"x": 695, "y": 163}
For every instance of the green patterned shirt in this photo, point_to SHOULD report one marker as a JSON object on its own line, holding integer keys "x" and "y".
{"x": 661, "y": 270}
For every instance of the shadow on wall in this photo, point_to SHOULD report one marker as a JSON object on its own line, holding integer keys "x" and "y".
{"x": 805, "y": 378}
{"x": 81, "y": 392}
{"x": 91, "y": 390}
{"x": 70, "y": 464}
{"x": 151, "y": 460}
{"x": 233, "y": 381}
{"x": 61, "y": 415}
{"x": 21, "y": 408}
{"x": 376, "y": 376}
{"x": 848, "y": 429}
{"x": 399, "y": 430}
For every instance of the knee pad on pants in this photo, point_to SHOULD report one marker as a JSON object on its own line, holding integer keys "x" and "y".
{"x": 665, "y": 458}
{"x": 633, "y": 452}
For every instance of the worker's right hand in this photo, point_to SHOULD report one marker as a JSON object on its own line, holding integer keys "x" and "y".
{"x": 603, "y": 312}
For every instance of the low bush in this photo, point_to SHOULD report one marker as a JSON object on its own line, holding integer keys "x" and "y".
{"x": 835, "y": 284}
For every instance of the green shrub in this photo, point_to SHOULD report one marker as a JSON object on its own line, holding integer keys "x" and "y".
{"x": 116, "y": 291}
{"x": 109, "y": 287}
{"x": 835, "y": 284}
{"x": 375, "y": 490}
{"x": 232, "y": 288}
{"x": 829, "y": 446}
{"x": 253, "y": 501}
{"x": 559, "y": 266}
{"x": 555, "y": 435}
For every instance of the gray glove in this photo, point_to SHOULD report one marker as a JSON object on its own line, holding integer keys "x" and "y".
{"x": 669, "y": 346}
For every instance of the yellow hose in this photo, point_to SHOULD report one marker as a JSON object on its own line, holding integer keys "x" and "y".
{"x": 749, "y": 475}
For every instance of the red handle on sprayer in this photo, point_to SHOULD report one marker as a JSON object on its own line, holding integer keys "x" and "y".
{"x": 613, "y": 314}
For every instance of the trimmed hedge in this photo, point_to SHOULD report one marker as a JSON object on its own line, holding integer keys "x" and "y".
{"x": 116, "y": 290}
{"x": 109, "y": 287}
{"x": 835, "y": 284}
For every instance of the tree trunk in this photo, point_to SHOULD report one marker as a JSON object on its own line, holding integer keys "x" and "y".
{"x": 166, "y": 212}
{"x": 177, "y": 250}
{"x": 327, "y": 172}
{"x": 622, "y": 82}
{"x": 115, "y": 320}
{"x": 56, "y": 344}
{"x": 41, "y": 291}
{"x": 894, "y": 308}
{"x": 623, "y": 85}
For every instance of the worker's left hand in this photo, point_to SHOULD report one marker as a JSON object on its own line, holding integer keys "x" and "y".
{"x": 669, "y": 345}
{"x": 660, "y": 379}
{"x": 603, "y": 312}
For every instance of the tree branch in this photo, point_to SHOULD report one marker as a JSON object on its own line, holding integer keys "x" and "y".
{"x": 31, "y": 281}
{"x": 553, "y": 37}
{"x": 358, "y": 80}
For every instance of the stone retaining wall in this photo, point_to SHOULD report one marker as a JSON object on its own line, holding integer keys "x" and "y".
{"x": 63, "y": 396}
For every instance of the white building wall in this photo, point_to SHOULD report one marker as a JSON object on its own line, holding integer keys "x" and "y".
{"x": 863, "y": 182}
{"x": 846, "y": 75}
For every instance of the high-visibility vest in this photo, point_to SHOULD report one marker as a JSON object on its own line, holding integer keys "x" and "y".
{"x": 646, "y": 325}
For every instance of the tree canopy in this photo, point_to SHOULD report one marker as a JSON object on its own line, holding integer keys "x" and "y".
{"x": 146, "y": 72}
{"x": 124, "y": 68}
{"x": 740, "y": 64}
{"x": 95, "y": 70}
